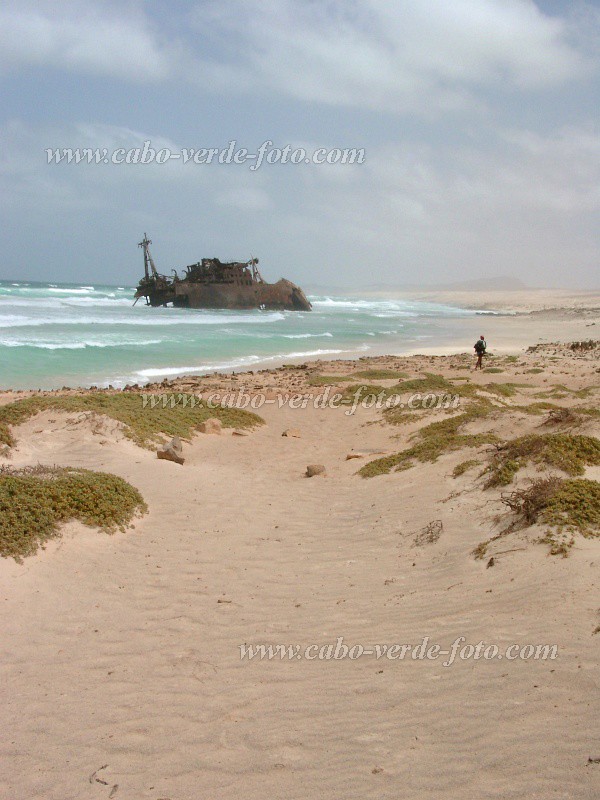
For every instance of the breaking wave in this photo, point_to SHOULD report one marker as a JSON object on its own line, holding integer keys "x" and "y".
{"x": 56, "y": 334}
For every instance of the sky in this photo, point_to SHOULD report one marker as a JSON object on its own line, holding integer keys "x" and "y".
{"x": 478, "y": 120}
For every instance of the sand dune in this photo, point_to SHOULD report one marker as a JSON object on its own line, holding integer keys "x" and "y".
{"x": 121, "y": 655}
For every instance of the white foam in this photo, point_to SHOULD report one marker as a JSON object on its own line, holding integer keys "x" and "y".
{"x": 164, "y": 372}
{"x": 81, "y": 290}
{"x": 7, "y": 321}
{"x": 306, "y": 335}
{"x": 77, "y": 345}
{"x": 109, "y": 300}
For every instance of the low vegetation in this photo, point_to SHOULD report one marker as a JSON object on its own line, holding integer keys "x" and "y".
{"x": 396, "y": 415}
{"x": 567, "y": 452}
{"x": 34, "y": 501}
{"x": 501, "y": 389}
{"x": 329, "y": 380}
{"x": 379, "y": 374}
{"x": 566, "y": 506}
{"x": 365, "y": 392}
{"x": 435, "y": 384}
{"x": 558, "y": 391}
{"x": 591, "y": 412}
{"x": 537, "y": 408}
{"x": 563, "y": 417}
{"x": 145, "y": 426}
{"x": 433, "y": 440}
{"x": 464, "y": 466}
{"x": 572, "y": 504}
{"x": 365, "y": 374}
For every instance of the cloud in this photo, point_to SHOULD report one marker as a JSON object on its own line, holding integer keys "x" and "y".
{"x": 397, "y": 56}
{"x": 84, "y": 38}
{"x": 492, "y": 167}
{"x": 425, "y": 56}
{"x": 519, "y": 202}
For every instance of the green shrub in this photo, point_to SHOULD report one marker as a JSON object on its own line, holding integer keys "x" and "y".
{"x": 379, "y": 374}
{"x": 566, "y": 452}
{"x": 34, "y": 501}
{"x": 144, "y": 426}
{"x": 396, "y": 415}
{"x": 464, "y": 466}
{"x": 435, "y": 384}
{"x": 564, "y": 505}
{"x": 575, "y": 505}
{"x": 501, "y": 389}
{"x": 365, "y": 374}
{"x": 361, "y": 392}
{"x": 329, "y": 380}
{"x": 433, "y": 440}
{"x": 536, "y": 408}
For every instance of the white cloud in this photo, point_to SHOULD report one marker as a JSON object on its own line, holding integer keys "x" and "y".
{"x": 519, "y": 203}
{"x": 424, "y": 56}
{"x": 85, "y": 38}
{"x": 401, "y": 56}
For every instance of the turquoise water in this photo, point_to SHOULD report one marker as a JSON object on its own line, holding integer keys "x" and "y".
{"x": 52, "y": 335}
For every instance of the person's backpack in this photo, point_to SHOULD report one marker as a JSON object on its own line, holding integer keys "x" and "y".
{"x": 480, "y": 346}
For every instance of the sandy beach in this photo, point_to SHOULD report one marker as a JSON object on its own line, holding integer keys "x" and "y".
{"x": 122, "y": 666}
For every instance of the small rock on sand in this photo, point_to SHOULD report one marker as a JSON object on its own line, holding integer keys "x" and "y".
{"x": 364, "y": 453}
{"x": 175, "y": 443}
{"x": 293, "y": 433}
{"x": 315, "y": 469}
{"x": 212, "y": 425}
{"x": 168, "y": 453}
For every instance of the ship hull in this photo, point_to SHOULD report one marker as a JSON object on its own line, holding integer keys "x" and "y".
{"x": 283, "y": 295}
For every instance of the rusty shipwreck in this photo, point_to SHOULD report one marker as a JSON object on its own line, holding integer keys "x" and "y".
{"x": 213, "y": 284}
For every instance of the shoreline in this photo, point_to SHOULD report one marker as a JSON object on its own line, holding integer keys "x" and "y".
{"x": 521, "y": 301}
{"x": 508, "y": 332}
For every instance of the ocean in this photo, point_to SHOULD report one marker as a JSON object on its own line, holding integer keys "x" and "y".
{"x": 54, "y": 335}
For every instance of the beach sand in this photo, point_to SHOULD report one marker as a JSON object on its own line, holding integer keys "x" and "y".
{"x": 121, "y": 668}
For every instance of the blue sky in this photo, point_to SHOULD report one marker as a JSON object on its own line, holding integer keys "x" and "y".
{"x": 479, "y": 120}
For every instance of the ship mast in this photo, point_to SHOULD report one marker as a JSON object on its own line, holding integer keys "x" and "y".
{"x": 256, "y": 276}
{"x": 148, "y": 260}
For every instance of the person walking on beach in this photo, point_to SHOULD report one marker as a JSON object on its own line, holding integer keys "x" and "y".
{"x": 480, "y": 347}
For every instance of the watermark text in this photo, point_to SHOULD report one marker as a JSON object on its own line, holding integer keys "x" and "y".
{"x": 425, "y": 650}
{"x": 266, "y": 153}
{"x": 361, "y": 397}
